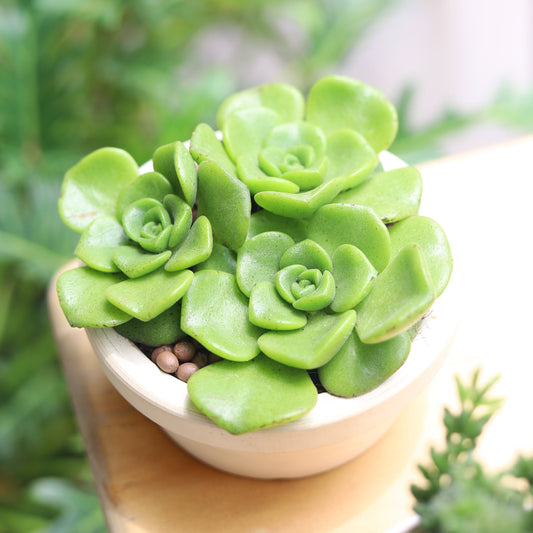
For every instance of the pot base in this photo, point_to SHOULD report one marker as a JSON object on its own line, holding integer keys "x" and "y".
{"x": 282, "y": 464}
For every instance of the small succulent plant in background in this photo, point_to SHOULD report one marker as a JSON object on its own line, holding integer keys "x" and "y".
{"x": 278, "y": 244}
{"x": 458, "y": 495}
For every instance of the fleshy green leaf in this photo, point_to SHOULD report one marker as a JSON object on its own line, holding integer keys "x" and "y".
{"x": 136, "y": 262}
{"x": 176, "y": 163}
{"x": 221, "y": 258}
{"x": 195, "y": 249}
{"x": 259, "y": 259}
{"x": 257, "y": 181}
{"x": 91, "y": 188}
{"x": 307, "y": 253}
{"x": 245, "y": 131}
{"x": 427, "y": 233}
{"x": 339, "y": 102}
{"x": 97, "y": 242}
{"x": 226, "y": 202}
{"x": 215, "y": 312}
{"x": 358, "y": 368}
{"x": 336, "y": 224}
{"x": 261, "y": 393}
{"x": 181, "y": 218}
{"x": 262, "y": 221}
{"x": 282, "y": 98}
{"x": 148, "y": 185}
{"x": 312, "y": 346}
{"x": 302, "y": 204}
{"x": 353, "y": 274}
{"x": 307, "y": 178}
{"x": 81, "y": 293}
{"x": 205, "y": 146}
{"x": 297, "y": 134}
{"x": 349, "y": 155}
{"x": 163, "y": 329}
{"x": 393, "y": 195}
{"x": 400, "y": 296}
{"x": 147, "y": 297}
{"x": 269, "y": 311}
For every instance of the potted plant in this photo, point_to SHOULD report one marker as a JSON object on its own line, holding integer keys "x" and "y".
{"x": 457, "y": 494}
{"x": 285, "y": 249}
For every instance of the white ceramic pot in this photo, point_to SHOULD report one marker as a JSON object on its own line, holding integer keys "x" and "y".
{"x": 335, "y": 431}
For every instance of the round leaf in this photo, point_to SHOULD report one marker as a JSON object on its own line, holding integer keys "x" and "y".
{"x": 215, "y": 313}
{"x": 135, "y": 262}
{"x": 81, "y": 293}
{"x": 393, "y": 195}
{"x": 245, "y": 131}
{"x": 427, "y": 233}
{"x": 312, "y": 346}
{"x": 287, "y": 101}
{"x": 147, "y": 297}
{"x": 349, "y": 155}
{"x": 98, "y": 241}
{"x": 163, "y": 329}
{"x": 338, "y": 102}
{"x": 269, "y": 311}
{"x": 400, "y": 296}
{"x": 91, "y": 188}
{"x": 358, "y": 368}
{"x": 261, "y": 393}
{"x": 336, "y": 224}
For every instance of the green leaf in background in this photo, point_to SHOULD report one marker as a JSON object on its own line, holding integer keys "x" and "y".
{"x": 78, "y": 509}
{"x": 31, "y": 232}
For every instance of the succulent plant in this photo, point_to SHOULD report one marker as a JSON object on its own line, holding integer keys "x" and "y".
{"x": 304, "y": 253}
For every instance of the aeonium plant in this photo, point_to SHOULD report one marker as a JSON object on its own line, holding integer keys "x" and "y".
{"x": 279, "y": 244}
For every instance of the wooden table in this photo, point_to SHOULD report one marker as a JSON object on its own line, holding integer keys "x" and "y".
{"x": 483, "y": 200}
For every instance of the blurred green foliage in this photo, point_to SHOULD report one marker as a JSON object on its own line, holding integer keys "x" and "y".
{"x": 80, "y": 74}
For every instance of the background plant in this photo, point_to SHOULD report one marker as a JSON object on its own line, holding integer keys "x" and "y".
{"x": 458, "y": 494}
{"x": 76, "y": 75}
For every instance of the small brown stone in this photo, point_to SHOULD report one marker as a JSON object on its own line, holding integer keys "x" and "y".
{"x": 185, "y": 371}
{"x": 158, "y": 350}
{"x": 200, "y": 359}
{"x": 167, "y": 361}
{"x": 184, "y": 351}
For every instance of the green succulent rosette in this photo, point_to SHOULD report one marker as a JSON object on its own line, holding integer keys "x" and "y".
{"x": 138, "y": 242}
{"x": 293, "y": 155}
{"x": 306, "y": 258}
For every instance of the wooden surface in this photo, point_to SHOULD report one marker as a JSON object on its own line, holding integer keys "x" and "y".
{"x": 147, "y": 484}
